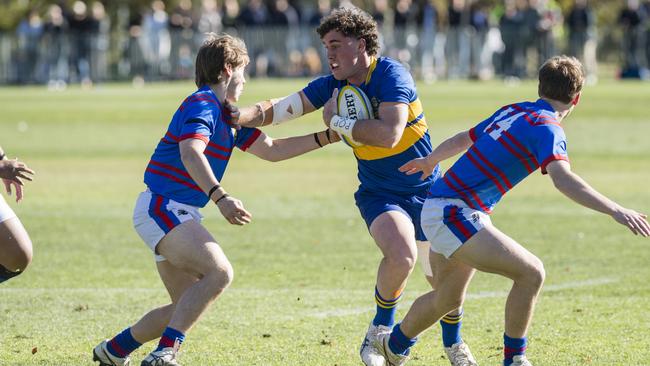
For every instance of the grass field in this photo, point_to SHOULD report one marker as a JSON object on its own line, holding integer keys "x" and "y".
{"x": 305, "y": 267}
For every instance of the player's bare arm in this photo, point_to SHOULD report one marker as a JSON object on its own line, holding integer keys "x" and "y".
{"x": 199, "y": 169}
{"x": 271, "y": 149}
{"x": 276, "y": 111}
{"x": 448, "y": 148}
{"x": 574, "y": 187}
{"x": 384, "y": 131}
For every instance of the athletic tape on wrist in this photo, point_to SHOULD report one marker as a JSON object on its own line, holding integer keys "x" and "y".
{"x": 343, "y": 126}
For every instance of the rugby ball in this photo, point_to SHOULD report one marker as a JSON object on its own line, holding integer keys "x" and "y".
{"x": 353, "y": 103}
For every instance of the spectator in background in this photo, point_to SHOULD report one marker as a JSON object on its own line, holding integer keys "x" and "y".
{"x": 134, "y": 52}
{"x": 324, "y": 8}
{"x": 646, "y": 11}
{"x": 481, "y": 57}
{"x": 181, "y": 33}
{"x": 80, "y": 26}
{"x": 405, "y": 38}
{"x": 380, "y": 10}
{"x": 429, "y": 30}
{"x": 550, "y": 18}
{"x": 54, "y": 33}
{"x": 230, "y": 16}
{"x": 253, "y": 17}
{"x": 210, "y": 19}
{"x": 513, "y": 34}
{"x": 100, "y": 42}
{"x": 631, "y": 19}
{"x": 285, "y": 32}
{"x": 458, "y": 42}
{"x": 581, "y": 25}
{"x": 29, "y": 33}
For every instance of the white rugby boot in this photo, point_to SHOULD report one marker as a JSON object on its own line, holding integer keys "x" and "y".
{"x": 105, "y": 358}
{"x": 520, "y": 360}
{"x": 369, "y": 354}
{"x": 381, "y": 344}
{"x": 460, "y": 355}
{"x": 164, "y": 357}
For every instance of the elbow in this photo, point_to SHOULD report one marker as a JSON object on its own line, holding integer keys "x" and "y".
{"x": 561, "y": 184}
{"x": 273, "y": 158}
{"x": 391, "y": 140}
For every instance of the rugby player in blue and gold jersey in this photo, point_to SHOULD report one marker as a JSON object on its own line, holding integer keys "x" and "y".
{"x": 389, "y": 202}
{"x": 183, "y": 175}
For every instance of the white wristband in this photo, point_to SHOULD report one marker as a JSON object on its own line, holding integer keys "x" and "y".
{"x": 343, "y": 126}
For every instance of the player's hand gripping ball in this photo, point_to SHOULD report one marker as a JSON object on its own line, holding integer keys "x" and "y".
{"x": 353, "y": 103}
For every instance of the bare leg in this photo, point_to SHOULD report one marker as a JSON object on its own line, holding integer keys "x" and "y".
{"x": 453, "y": 277}
{"x": 492, "y": 251}
{"x": 15, "y": 245}
{"x": 153, "y": 323}
{"x": 189, "y": 247}
{"x": 395, "y": 236}
{"x": 424, "y": 247}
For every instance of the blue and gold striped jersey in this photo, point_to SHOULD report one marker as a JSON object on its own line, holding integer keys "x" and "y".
{"x": 387, "y": 81}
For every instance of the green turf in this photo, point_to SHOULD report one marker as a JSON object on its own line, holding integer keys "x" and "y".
{"x": 305, "y": 267}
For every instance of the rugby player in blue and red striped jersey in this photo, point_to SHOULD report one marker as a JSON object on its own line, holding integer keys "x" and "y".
{"x": 499, "y": 153}
{"x": 183, "y": 175}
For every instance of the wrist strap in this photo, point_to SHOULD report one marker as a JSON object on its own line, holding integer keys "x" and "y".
{"x": 216, "y": 186}
{"x": 317, "y": 140}
{"x": 222, "y": 197}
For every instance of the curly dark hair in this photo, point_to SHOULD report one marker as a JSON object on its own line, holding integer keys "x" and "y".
{"x": 352, "y": 22}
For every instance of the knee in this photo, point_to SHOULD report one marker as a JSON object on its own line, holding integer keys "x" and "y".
{"x": 402, "y": 262}
{"x": 448, "y": 301}
{"x": 535, "y": 275}
{"x": 19, "y": 258}
{"x": 221, "y": 277}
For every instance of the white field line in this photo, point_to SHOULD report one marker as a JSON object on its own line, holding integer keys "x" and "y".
{"x": 339, "y": 312}
{"x": 476, "y": 296}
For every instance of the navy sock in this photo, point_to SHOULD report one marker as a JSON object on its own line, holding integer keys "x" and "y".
{"x": 385, "y": 309}
{"x": 169, "y": 338}
{"x": 6, "y": 274}
{"x": 400, "y": 344}
{"x": 513, "y": 347}
{"x": 123, "y": 344}
{"x": 451, "y": 329}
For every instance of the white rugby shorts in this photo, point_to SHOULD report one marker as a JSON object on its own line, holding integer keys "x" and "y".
{"x": 154, "y": 216}
{"x": 449, "y": 223}
{"x": 6, "y": 212}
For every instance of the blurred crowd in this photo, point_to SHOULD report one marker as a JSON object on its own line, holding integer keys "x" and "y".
{"x": 84, "y": 43}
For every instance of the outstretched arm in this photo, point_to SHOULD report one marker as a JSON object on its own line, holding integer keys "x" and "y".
{"x": 574, "y": 187}
{"x": 448, "y": 148}
{"x": 271, "y": 149}
{"x": 275, "y": 111}
{"x": 199, "y": 169}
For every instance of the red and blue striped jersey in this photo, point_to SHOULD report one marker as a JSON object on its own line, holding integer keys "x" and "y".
{"x": 510, "y": 145}
{"x": 200, "y": 116}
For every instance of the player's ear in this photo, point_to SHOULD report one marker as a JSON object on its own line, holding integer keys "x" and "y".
{"x": 227, "y": 72}
{"x": 362, "y": 45}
